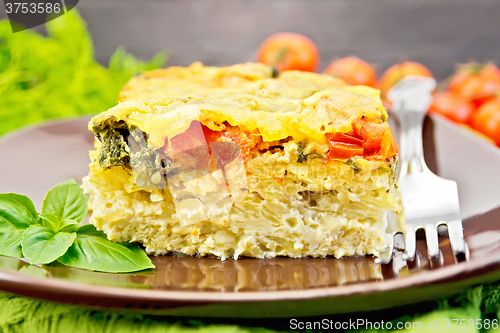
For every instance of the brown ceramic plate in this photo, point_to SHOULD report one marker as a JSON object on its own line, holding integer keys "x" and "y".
{"x": 33, "y": 160}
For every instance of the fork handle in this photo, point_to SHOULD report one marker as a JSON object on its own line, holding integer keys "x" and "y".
{"x": 411, "y": 98}
{"x": 412, "y": 151}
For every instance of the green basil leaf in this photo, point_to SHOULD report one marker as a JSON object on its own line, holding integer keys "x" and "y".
{"x": 66, "y": 201}
{"x": 53, "y": 223}
{"x": 42, "y": 245}
{"x": 69, "y": 225}
{"x": 50, "y": 221}
{"x": 92, "y": 251}
{"x": 89, "y": 229}
{"x": 17, "y": 213}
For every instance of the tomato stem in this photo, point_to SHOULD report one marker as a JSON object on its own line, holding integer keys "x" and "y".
{"x": 280, "y": 56}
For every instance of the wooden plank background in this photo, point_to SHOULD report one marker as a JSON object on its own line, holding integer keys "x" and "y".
{"x": 438, "y": 33}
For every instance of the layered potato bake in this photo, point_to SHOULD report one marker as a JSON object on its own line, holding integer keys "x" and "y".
{"x": 238, "y": 161}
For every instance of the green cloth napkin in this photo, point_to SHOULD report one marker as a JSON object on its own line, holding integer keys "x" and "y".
{"x": 23, "y": 314}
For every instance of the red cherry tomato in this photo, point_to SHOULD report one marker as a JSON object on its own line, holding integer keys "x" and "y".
{"x": 453, "y": 106}
{"x": 397, "y": 72}
{"x": 353, "y": 71}
{"x": 487, "y": 120}
{"x": 287, "y": 51}
{"x": 476, "y": 82}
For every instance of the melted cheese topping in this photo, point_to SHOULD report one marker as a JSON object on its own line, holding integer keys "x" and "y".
{"x": 327, "y": 111}
{"x": 198, "y": 79}
{"x": 298, "y": 104}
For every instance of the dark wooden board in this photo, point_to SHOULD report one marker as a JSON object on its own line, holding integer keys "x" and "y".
{"x": 220, "y": 32}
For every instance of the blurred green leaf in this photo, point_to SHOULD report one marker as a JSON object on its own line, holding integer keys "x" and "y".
{"x": 56, "y": 76}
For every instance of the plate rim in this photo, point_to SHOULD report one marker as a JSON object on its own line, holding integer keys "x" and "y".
{"x": 464, "y": 271}
{"x": 435, "y": 276}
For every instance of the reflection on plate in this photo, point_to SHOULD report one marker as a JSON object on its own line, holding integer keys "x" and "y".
{"x": 206, "y": 274}
{"x": 190, "y": 273}
{"x": 35, "y": 159}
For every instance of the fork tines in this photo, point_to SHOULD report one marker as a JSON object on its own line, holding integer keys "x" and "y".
{"x": 428, "y": 201}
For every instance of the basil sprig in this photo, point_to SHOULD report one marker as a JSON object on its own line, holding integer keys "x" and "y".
{"x": 56, "y": 234}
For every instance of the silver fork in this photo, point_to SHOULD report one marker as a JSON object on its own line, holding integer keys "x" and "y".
{"x": 428, "y": 201}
